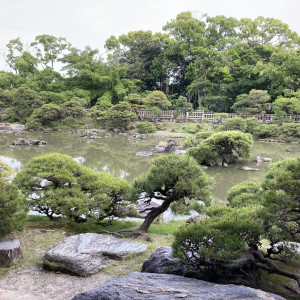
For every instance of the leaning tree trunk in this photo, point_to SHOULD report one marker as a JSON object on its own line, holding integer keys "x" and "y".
{"x": 153, "y": 214}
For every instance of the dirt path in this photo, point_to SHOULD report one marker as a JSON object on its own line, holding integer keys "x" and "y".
{"x": 54, "y": 286}
{"x": 29, "y": 277}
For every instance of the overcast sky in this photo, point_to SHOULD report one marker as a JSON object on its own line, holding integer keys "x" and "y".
{"x": 91, "y": 22}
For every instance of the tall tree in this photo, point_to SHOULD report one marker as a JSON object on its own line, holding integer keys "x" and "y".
{"x": 49, "y": 48}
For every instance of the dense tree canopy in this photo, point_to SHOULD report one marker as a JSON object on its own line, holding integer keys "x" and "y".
{"x": 58, "y": 185}
{"x": 216, "y": 63}
{"x": 223, "y": 147}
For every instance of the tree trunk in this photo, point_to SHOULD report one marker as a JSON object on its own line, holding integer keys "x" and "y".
{"x": 153, "y": 214}
{"x": 272, "y": 268}
{"x": 10, "y": 253}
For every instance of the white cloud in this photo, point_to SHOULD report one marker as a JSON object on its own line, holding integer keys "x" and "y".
{"x": 91, "y": 22}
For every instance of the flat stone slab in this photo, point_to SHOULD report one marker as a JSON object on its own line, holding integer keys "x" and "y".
{"x": 245, "y": 168}
{"x": 88, "y": 253}
{"x": 143, "y": 153}
{"x": 10, "y": 252}
{"x": 146, "y": 286}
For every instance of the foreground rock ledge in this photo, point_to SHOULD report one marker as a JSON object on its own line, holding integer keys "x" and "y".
{"x": 241, "y": 271}
{"x": 146, "y": 286}
{"x": 87, "y": 253}
{"x": 10, "y": 253}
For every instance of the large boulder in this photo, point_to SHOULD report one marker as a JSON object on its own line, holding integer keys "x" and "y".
{"x": 146, "y": 286}
{"x": 242, "y": 271}
{"x": 10, "y": 253}
{"x": 85, "y": 254}
{"x": 170, "y": 146}
{"x": 161, "y": 261}
{"x": 28, "y": 142}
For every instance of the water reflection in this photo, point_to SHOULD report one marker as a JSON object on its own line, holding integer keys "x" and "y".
{"x": 116, "y": 155}
{"x": 13, "y": 163}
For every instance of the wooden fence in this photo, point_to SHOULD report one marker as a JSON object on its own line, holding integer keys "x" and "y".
{"x": 209, "y": 117}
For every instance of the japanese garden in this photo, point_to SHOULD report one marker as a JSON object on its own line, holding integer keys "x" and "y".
{"x": 173, "y": 162}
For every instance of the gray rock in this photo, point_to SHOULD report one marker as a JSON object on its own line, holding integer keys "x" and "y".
{"x": 241, "y": 271}
{"x": 143, "y": 208}
{"x": 178, "y": 151}
{"x": 171, "y": 146}
{"x": 85, "y": 254}
{"x": 143, "y": 153}
{"x": 245, "y": 168}
{"x": 161, "y": 261}
{"x": 196, "y": 218}
{"x": 145, "y": 286}
{"x": 27, "y": 142}
{"x": 159, "y": 149}
{"x": 261, "y": 159}
{"x": 10, "y": 253}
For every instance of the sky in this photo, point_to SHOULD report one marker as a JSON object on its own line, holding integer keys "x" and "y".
{"x": 92, "y": 22}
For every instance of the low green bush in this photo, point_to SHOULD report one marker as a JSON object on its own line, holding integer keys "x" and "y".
{"x": 145, "y": 127}
{"x": 265, "y": 131}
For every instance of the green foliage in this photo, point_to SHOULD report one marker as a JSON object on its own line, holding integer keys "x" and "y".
{"x": 44, "y": 115}
{"x": 286, "y": 106}
{"x": 24, "y": 101}
{"x": 251, "y": 123}
{"x": 73, "y": 108}
{"x": 55, "y": 98}
{"x": 281, "y": 200}
{"x": 13, "y": 209}
{"x": 145, "y": 127}
{"x": 182, "y": 105}
{"x": 203, "y": 135}
{"x": 289, "y": 131}
{"x": 237, "y": 123}
{"x": 245, "y": 194}
{"x": 255, "y": 212}
{"x": 62, "y": 186}
{"x": 136, "y": 102}
{"x": 265, "y": 131}
{"x": 219, "y": 238}
{"x": 176, "y": 180}
{"x": 223, "y": 147}
{"x": 117, "y": 117}
{"x": 158, "y": 99}
{"x": 254, "y": 103}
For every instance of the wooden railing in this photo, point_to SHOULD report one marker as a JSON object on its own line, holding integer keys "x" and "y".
{"x": 202, "y": 116}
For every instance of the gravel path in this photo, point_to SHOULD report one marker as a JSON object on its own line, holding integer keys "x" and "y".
{"x": 54, "y": 286}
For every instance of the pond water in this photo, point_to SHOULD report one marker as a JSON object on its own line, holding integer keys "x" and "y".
{"x": 116, "y": 155}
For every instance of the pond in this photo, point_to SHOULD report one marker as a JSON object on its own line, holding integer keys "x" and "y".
{"x": 116, "y": 155}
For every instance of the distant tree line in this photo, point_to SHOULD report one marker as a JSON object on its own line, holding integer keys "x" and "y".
{"x": 215, "y": 63}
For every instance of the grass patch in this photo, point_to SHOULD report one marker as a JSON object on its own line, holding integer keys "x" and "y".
{"x": 35, "y": 218}
{"x": 166, "y": 227}
{"x": 113, "y": 226}
{"x": 134, "y": 263}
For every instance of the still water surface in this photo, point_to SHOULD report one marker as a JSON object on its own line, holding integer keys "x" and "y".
{"x": 116, "y": 155}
